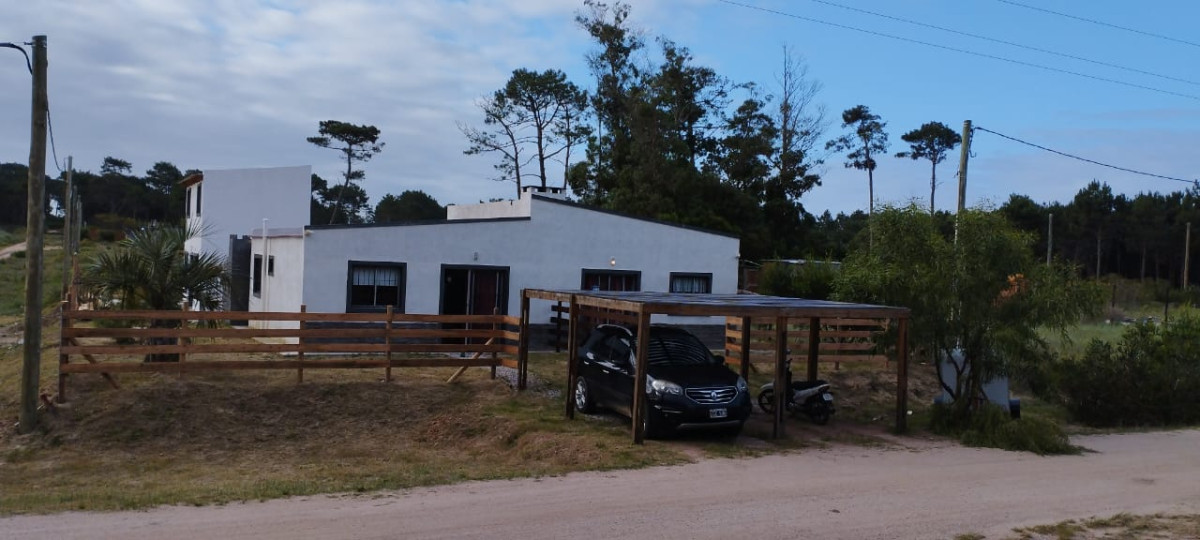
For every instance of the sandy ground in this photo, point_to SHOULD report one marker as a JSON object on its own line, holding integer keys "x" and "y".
{"x": 934, "y": 491}
{"x": 7, "y": 252}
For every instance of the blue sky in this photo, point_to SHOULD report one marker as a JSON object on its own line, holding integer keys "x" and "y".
{"x": 231, "y": 83}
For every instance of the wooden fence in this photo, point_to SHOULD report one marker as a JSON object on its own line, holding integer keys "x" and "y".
{"x": 841, "y": 340}
{"x": 195, "y": 337}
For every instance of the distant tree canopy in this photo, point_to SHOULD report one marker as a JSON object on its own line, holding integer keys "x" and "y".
{"x": 408, "y": 206}
{"x": 357, "y": 144}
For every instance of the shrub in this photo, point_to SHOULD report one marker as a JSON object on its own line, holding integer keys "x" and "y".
{"x": 813, "y": 280}
{"x": 992, "y": 427}
{"x": 1150, "y": 378}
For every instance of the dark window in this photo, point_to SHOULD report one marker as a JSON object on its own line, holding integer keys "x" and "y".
{"x": 257, "y": 277}
{"x": 188, "y": 204}
{"x": 198, "y": 188}
{"x": 372, "y": 286}
{"x": 271, "y": 265}
{"x": 691, "y": 283}
{"x": 611, "y": 280}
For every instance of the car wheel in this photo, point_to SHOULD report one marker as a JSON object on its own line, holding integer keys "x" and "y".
{"x": 583, "y": 397}
{"x": 652, "y": 428}
{"x": 766, "y": 400}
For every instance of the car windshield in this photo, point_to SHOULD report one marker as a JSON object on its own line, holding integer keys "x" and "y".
{"x": 677, "y": 349}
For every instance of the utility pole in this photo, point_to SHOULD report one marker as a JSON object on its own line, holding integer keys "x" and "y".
{"x": 34, "y": 223}
{"x": 1050, "y": 240}
{"x": 68, "y": 234}
{"x": 964, "y": 153}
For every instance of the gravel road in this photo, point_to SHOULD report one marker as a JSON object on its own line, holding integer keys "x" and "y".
{"x": 840, "y": 492}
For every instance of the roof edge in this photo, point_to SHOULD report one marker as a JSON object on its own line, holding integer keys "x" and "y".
{"x": 582, "y": 206}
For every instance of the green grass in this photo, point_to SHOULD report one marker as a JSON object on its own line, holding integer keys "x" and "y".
{"x": 8, "y": 238}
{"x": 12, "y": 277}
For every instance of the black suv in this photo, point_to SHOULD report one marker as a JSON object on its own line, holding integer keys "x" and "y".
{"x": 686, "y": 386}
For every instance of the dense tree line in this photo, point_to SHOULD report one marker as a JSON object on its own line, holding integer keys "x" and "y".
{"x": 1139, "y": 237}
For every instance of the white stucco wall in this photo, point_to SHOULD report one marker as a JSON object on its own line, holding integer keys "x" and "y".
{"x": 548, "y": 250}
{"x": 497, "y": 209}
{"x": 282, "y": 291}
{"x": 235, "y": 201}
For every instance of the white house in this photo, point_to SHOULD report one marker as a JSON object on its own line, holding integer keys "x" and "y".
{"x": 226, "y": 204}
{"x": 481, "y": 257}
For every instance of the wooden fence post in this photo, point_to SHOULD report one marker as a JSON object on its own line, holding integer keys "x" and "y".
{"x": 387, "y": 343}
{"x": 183, "y": 340}
{"x": 300, "y": 349}
{"x": 63, "y": 359}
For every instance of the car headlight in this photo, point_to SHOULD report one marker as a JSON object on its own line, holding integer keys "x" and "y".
{"x": 659, "y": 387}
{"x": 742, "y": 386}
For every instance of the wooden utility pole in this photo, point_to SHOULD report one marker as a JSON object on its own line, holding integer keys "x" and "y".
{"x": 964, "y": 153}
{"x": 34, "y": 223}
{"x": 1050, "y": 240}
{"x": 68, "y": 235}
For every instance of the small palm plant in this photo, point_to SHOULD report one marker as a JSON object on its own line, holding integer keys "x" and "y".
{"x": 149, "y": 269}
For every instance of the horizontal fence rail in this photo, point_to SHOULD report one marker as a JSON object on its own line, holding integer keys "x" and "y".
{"x": 195, "y": 341}
{"x": 841, "y": 340}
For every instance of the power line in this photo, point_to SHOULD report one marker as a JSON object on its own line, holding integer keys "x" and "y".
{"x": 1101, "y": 23}
{"x": 53, "y": 149}
{"x": 1092, "y": 161}
{"x": 1009, "y": 43}
{"x": 10, "y": 45}
{"x": 964, "y": 51}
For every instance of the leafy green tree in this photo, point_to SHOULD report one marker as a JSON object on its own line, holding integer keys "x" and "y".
{"x": 149, "y": 269}
{"x": 408, "y": 206}
{"x": 986, "y": 295}
{"x": 865, "y": 140}
{"x": 930, "y": 141}
{"x": 339, "y": 204}
{"x": 356, "y": 143}
{"x": 14, "y": 180}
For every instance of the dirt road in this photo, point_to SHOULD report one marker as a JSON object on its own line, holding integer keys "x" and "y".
{"x": 843, "y": 492}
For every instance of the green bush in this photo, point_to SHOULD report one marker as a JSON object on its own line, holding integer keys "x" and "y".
{"x": 1150, "y": 378}
{"x": 992, "y": 427}
{"x": 812, "y": 280}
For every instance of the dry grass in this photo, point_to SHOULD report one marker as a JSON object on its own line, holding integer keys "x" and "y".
{"x": 1120, "y": 526}
{"x": 222, "y": 437}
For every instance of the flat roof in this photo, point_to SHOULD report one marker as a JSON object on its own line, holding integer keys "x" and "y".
{"x": 728, "y": 305}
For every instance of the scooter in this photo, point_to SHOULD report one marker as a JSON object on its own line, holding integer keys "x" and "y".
{"x": 809, "y": 397}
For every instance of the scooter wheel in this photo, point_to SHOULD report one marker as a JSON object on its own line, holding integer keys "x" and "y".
{"x": 766, "y": 401}
{"x": 820, "y": 415}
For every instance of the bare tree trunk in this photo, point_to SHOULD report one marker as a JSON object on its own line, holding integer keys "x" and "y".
{"x": 932, "y": 187}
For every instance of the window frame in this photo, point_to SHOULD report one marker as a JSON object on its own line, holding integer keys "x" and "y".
{"x": 401, "y": 284}
{"x": 584, "y": 272}
{"x": 707, "y": 276}
{"x": 271, "y": 265}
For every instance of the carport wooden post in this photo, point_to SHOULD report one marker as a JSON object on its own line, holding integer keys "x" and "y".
{"x": 523, "y": 341}
{"x": 572, "y": 356}
{"x": 746, "y": 348}
{"x": 639, "y": 378}
{"x": 781, "y": 389}
{"x": 814, "y": 346}
{"x": 902, "y": 378}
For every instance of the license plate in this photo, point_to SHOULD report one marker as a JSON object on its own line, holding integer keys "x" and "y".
{"x": 718, "y": 413}
{"x": 827, "y": 397}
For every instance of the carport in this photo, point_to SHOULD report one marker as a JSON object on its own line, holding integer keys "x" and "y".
{"x": 637, "y": 308}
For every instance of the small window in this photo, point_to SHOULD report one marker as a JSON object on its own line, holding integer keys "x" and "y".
{"x": 691, "y": 283}
{"x": 257, "y": 277}
{"x": 198, "y": 188}
{"x": 372, "y": 286}
{"x": 611, "y": 280}
{"x": 188, "y": 205}
{"x": 271, "y": 265}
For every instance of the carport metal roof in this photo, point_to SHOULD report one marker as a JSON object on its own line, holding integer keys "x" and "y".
{"x": 746, "y": 306}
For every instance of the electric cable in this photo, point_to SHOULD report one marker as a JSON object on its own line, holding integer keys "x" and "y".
{"x": 1101, "y": 23}
{"x": 1092, "y": 161}
{"x": 10, "y": 45}
{"x": 965, "y": 51}
{"x": 1009, "y": 43}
